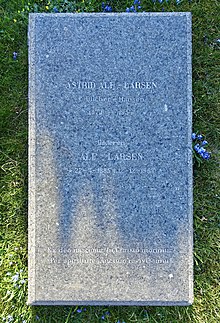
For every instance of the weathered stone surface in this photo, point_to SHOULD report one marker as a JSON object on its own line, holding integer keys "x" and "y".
{"x": 110, "y": 174}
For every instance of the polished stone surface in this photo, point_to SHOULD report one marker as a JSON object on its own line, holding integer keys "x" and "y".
{"x": 110, "y": 173}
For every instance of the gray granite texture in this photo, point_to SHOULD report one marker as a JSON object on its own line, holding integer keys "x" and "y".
{"x": 110, "y": 173}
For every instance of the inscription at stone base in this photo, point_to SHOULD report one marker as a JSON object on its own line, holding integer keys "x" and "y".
{"x": 110, "y": 174}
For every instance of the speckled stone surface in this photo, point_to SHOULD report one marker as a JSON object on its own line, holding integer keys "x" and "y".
{"x": 110, "y": 172}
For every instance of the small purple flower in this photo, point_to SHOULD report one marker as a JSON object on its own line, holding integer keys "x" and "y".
{"x": 103, "y": 317}
{"x": 193, "y": 136}
{"x": 199, "y": 137}
{"x": 127, "y": 10}
{"x": 15, "y": 55}
{"x": 132, "y": 8}
{"x": 139, "y": 7}
{"x": 55, "y": 10}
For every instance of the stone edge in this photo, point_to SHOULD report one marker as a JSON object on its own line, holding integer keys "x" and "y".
{"x": 113, "y": 303}
{"x": 31, "y": 160}
{"x": 190, "y": 173}
{"x": 107, "y": 14}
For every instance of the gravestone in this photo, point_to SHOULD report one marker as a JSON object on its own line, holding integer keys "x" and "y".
{"x": 110, "y": 173}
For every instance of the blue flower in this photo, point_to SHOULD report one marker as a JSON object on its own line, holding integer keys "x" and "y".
{"x": 103, "y": 317}
{"x": 199, "y": 137}
{"x": 139, "y": 7}
{"x": 15, "y": 277}
{"x": 10, "y": 318}
{"x": 127, "y": 9}
{"x": 79, "y": 310}
{"x": 204, "y": 143}
{"x": 193, "y": 136}
{"x": 197, "y": 147}
{"x": 201, "y": 150}
{"x": 137, "y": 2}
{"x": 132, "y": 8}
{"x": 206, "y": 155}
{"x": 55, "y": 10}
{"x": 15, "y": 55}
{"x": 108, "y": 9}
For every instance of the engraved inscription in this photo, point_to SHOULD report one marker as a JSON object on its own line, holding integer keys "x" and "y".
{"x": 108, "y": 250}
{"x": 71, "y": 256}
{"x": 111, "y": 143}
{"x": 91, "y": 156}
{"x": 146, "y": 85}
{"x": 70, "y": 261}
{"x": 125, "y": 156}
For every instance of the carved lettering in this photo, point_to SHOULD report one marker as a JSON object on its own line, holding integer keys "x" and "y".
{"x": 125, "y": 156}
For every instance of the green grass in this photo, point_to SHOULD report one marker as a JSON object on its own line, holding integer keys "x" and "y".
{"x": 13, "y": 168}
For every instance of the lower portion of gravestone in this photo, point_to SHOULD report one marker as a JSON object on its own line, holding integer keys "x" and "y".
{"x": 90, "y": 262}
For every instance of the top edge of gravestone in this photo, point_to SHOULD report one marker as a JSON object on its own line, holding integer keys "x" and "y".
{"x": 110, "y": 14}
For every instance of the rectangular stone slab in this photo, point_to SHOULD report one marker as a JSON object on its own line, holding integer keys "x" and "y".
{"x": 110, "y": 171}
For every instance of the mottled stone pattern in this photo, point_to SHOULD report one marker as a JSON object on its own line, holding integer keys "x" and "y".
{"x": 110, "y": 174}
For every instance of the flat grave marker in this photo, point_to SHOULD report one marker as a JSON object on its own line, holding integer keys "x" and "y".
{"x": 110, "y": 165}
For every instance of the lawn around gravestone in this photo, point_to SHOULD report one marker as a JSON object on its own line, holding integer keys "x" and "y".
{"x": 13, "y": 165}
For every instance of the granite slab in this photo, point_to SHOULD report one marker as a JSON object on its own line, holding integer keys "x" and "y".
{"x": 110, "y": 162}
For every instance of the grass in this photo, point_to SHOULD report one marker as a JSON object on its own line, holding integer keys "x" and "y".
{"x": 13, "y": 169}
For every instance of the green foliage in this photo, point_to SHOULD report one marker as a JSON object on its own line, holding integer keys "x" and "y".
{"x": 13, "y": 167}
